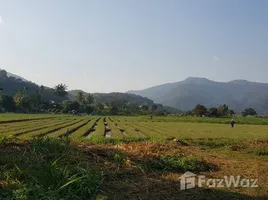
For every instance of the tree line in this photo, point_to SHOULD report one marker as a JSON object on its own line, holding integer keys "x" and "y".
{"x": 221, "y": 111}
{"x": 25, "y": 102}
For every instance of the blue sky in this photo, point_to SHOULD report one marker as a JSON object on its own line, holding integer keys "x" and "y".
{"x": 120, "y": 45}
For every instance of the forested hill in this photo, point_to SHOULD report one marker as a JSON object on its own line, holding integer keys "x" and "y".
{"x": 114, "y": 97}
{"x": 123, "y": 98}
{"x": 11, "y": 85}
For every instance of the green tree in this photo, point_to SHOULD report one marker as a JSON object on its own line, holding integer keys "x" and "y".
{"x": 154, "y": 107}
{"x": 23, "y": 102}
{"x": 88, "y": 109}
{"x": 113, "y": 108}
{"x": 7, "y": 103}
{"x": 80, "y": 97}
{"x": 37, "y": 101}
{"x": 145, "y": 107}
{"x": 61, "y": 90}
{"x": 189, "y": 113}
{"x": 68, "y": 106}
{"x": 223, "y": 110}
{"x": 213, "y": 112}
{"x": 200, "y": 110}
{"x": 231, "y": 112}
{"x": 132, "y": 107}
{"x": 42, "y": 89}
{"x": 89, "y": 99}
{"x": 249, "y": 111}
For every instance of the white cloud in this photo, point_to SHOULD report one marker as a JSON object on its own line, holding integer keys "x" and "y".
{"x": 1, "y": 20}
{"x": 215, "y": 58}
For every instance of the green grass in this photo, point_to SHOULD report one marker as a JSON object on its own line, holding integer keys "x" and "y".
{"x": 260, "y": 152}
{"x": 47, "y": 170}
{"x": 5, "y": 117}
{"x": 177, "y": 164}
{"x": 238, "y": 120}
{"x": 83, "y": 130}
{"x": 122, "y": 127}
{"x": 100, "y": 129}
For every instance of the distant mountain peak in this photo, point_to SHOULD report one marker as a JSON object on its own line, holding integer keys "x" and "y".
{"x": 15, "y": 76}
{"x": 197, "y": 80}
{"x": 239, "y": 81}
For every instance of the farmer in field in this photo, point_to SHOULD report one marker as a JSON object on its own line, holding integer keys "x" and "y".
{"x": 232, "y": 123}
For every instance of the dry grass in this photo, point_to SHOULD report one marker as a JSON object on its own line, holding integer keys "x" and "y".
{"x": 127, "y": 179}
{"x": 149, "y": 170}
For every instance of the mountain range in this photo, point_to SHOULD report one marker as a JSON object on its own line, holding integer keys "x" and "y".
{"x": 185, "y": 95}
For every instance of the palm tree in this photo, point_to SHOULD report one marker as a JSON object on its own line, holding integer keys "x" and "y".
{"x": 60, "y": 90}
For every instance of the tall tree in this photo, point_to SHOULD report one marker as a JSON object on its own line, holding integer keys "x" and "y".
{"x": 200, "y": 110}
{"x": 90, "y": 99}
{"x": 23, "y": 102}
{"x": 213, "y": 112}
{"x": 42, "y": 88}
{"x": 61, "y": 90}
{"x": 37, "y": 100}
{"x": 7, "y": 102}
{"x": 80, "y": 97}
{"x": 145, "y": 107}
{"x": 223, "y": 110}
{"x": 249, "y": 111}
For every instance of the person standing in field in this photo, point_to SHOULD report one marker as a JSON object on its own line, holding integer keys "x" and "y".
{"x": 232, "y": 123}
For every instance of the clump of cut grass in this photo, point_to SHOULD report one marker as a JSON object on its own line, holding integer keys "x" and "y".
{"x": 213, "y": 143}
{"x": 178, "y": 164}
{"x": 119, "y": 157}
{"x": 103, "y": 140}
{"x": 7, "y": 139}
{"x": 238, "y": 147}
{"x": 259, "y": 152}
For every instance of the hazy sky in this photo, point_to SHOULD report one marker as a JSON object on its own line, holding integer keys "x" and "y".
{"x": 119, "y": 45}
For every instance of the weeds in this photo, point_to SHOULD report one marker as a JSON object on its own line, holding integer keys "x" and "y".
{"x": 259, "y": 152}
{"x": 119, "y": 157}
{"x": 213, "y": 143}
{"x": 47, "y": 170}
{"x": 7, "y": 139}
{"x": 102, "y": 140}
{"x": 178, "y": 164}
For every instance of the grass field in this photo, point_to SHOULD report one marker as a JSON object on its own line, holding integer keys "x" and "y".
{"x": 117, "y": 157}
